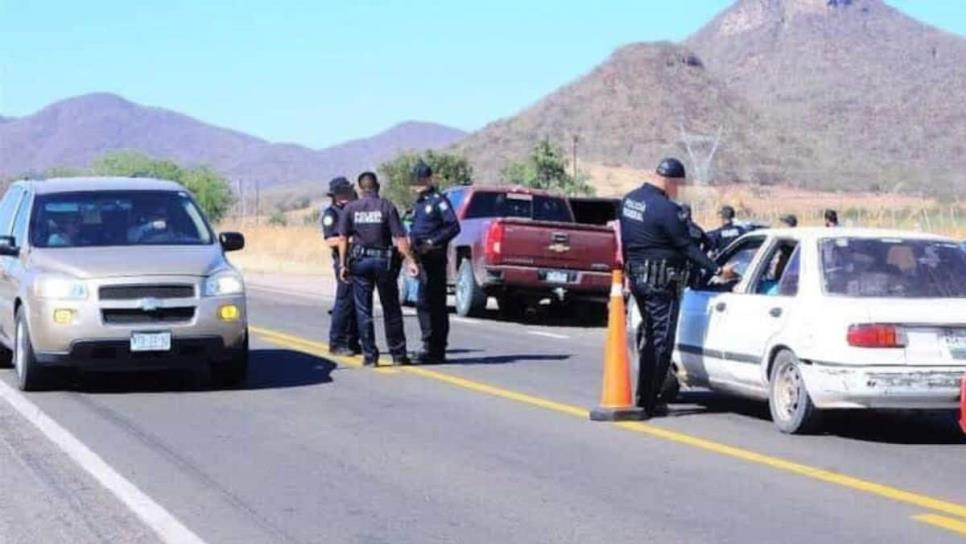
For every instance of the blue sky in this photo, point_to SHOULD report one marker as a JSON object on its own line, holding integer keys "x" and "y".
{"x": 320, "y": 72}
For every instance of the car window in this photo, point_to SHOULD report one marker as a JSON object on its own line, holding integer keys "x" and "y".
{"x": 788, "y": 286}
{"x": 117, "y": 218}
{"x": 456, "y": 197}
{"x": 740, "y": 255}
{"x": 892, "y": 268}
{"x": 520, "y": 205}
{"x": 7, "y": 207}
{"x": 20, "y": 221}
{"x": 776, "y": 266}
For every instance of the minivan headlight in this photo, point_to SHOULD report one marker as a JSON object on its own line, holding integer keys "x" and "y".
{"x": 226, "y": 283}
{"x": 60, "y": 288}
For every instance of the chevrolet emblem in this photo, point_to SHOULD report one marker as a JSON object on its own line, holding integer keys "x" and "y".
{"x": 559, "y": 247}
{"x": 150, "y": 304}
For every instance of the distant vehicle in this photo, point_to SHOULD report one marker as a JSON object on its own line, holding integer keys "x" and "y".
{"x": 103, "y": 274}
{"x": 829, "y": 319}
{"x": 523, "y": 246}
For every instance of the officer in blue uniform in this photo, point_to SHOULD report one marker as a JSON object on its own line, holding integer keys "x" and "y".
{"x": 728, "y": 232}
{"x": 368, "y": 229}
{"x": 434, "y": 226}
{"x": 343, "y": 332}
{"x": 657, "y": 246}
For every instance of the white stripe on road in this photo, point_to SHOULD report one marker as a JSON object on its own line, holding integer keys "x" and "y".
{"x": 166, "y": 526}
{"x": 549, "y": 334}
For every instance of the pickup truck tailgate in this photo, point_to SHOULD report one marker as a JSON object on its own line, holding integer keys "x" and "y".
{"x": 558, "y": 245}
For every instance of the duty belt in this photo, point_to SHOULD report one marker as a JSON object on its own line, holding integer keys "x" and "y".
{"x": 358, "y": 251}
{"x": 660, "y": 273}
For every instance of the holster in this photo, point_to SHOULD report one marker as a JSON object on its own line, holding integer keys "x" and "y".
{"x": 661, "y": 274}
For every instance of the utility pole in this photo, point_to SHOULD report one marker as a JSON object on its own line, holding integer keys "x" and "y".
{"x": 576, "y": 138}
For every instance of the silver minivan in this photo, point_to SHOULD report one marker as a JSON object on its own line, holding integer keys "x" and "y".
{"x": 117, "y": 274}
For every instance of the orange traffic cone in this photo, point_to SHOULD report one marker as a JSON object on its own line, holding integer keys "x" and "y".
{"x": 962, "y": 405}
{"x": 615, "y": 395}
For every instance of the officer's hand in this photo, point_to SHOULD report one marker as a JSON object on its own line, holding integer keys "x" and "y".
{"x": 344, "y": 274}
{"x": 728, "y": 272}
{"x": 412, "y": 269}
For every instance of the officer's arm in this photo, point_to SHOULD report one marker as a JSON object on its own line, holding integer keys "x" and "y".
{"x": 677, "y": 231}
{"x": 330, "y": 229}
{"x": 451, "y": 225}
{"x": 402, "y": 243}
{"x": 342, "y": 242}
{"x": 399, "y": 236}
{"x": 343, "y": 230}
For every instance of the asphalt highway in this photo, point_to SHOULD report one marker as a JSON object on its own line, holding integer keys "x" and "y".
{"x": 495, "y": 446}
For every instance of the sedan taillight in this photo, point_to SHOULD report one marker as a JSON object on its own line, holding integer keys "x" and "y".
{"x": 876, "y": 335}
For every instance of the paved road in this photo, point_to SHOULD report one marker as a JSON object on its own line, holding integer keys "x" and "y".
{"x": 494, "y": 447}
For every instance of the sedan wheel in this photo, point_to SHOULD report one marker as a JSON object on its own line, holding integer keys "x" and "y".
{"x": 791, "y": 407}
{"x": 30, "y": 376}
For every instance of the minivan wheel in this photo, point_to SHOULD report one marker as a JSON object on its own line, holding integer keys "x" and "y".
{"x": 792, "y": 409}
{"x": 470, "y": 298}
{"x": 30, "y": 375}
{"x": 233, "y": 372}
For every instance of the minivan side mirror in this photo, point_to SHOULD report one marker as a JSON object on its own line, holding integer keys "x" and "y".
{"x": 8, "y": 246}
{"x": 230, "y": 241}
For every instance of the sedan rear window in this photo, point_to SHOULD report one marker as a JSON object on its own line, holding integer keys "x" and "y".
{"x": 522, "y": 205}
{"x": 893, "y": 268}
{"x": 117, "y": 218}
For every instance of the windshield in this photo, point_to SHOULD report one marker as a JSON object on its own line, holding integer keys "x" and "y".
{"x": 537, "y": 207}
{"x": 117, "y": 218}
{"x": 893, "y": 268}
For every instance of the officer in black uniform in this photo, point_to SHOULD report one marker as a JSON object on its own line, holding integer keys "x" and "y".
{"x": 434, "y": 225}
{"x": 343, "y": 332}
{"x": 728, "y": 232}
{"x": 698, "y": 277}
{"x": 368, "y": 229}
{"x": 657, "y": 247}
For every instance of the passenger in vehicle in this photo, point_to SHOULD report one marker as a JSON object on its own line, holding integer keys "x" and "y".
{"x": 66, "y": 232}
{"x": 768, "y": 285}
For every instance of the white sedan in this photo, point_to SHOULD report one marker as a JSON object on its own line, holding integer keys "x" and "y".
{"x": 823, "y": 319}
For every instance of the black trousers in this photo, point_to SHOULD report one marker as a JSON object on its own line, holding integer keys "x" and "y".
{"x": 343, "y": 331}
{"x": 370, "y": 274}
{"x": 431, "y": 307}
{"x": 659, "y": 309}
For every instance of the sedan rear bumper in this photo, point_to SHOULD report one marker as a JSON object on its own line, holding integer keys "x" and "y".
{"x": 885, "y": 387}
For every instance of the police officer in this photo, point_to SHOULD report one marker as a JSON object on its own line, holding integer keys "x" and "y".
{"x": 343, "y": 332}
{"x": 368, "y": 228}
{"x": 657, "y": 247}
{"x": 789, "y": 220}
{"x": 728, "y": 232}
{"x": 434, "y": 225}
{"x": 696, "y": 278}
{"x": 831, "y": 218}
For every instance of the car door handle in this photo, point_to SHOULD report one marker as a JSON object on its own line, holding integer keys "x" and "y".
{"x": 721, "y": 306}
{"x": 775, "y": 312}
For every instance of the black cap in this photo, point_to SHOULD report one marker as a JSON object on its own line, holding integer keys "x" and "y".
{"x": 339, "y": 185}
{"x": 422, "y": 171}
{"x": 671, "y": 168}
{"x": 790, "y": 220}
{"x": 727, "y": 212}
{"x": 831, "y": 216}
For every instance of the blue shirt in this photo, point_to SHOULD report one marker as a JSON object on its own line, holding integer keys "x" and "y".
{"x": 434, "y": 220}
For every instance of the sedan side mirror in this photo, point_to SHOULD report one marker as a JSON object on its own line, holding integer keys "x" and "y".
{"x": 231, "y": 241}
{"x": 8, "y": 246}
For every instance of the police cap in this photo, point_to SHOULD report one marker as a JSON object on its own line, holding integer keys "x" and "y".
{"x": 421, "y": 171}
{"x": 671, "y": 168}
{"x": 339, "y": 185}
{"x": 790, "y": 220}
{"x": 727, "y": 212}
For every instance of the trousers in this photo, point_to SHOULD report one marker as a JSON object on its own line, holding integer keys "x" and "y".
{"x": 659, "y": 307}
{"x": 343, "y": 331}
{"x": 377, "y": 274}
{"x": 431, "y": 307}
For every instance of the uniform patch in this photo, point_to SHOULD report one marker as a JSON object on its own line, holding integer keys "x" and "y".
{"x": 327, "y": 221}
{"x": 429, "y": 208}
{"x": 634, "y": 210}
{"x": 443, "y": 206}
{"x": 367, "y": 218}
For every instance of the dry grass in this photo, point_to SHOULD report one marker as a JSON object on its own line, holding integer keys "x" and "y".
{"x": 291, "y": 249}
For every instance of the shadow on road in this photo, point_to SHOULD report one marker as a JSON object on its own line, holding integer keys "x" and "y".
{"x": 501, "y": 359}
{"x": 884, "y": 427}
{"x": 268, "y": 369}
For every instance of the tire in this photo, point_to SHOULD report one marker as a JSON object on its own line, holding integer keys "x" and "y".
{"x": 792, "y": 409}
{"x": 512, "y": 307}
{"x": 233, "y": 372}
{"x": 470, "y": 298}
{"x": 30, "y": 375}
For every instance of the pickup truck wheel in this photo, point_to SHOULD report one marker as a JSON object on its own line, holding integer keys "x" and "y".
{"x": 233, "y": 372}
{"x": 470, "y": 298}
{"x": 30, "y": 375}
{"x": 791, "y": 407}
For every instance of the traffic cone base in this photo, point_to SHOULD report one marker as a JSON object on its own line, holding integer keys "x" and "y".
{"x": 615, "y": 394}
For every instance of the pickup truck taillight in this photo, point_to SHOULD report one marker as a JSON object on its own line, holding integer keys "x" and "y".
{"x": 876, "y": 335}
{"x": 494, "y": 242}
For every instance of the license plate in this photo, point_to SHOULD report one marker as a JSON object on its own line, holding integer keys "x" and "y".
{"x": 955, "y": 342}
{"x": 554, "y": 276}
{"x": 151, "y": 341}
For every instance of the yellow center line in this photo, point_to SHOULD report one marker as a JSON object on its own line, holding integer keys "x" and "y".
{"x": 842, "y": 480}
{"x": 950, "y": 524}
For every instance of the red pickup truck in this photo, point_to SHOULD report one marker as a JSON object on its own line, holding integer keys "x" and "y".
{"x": 522, "y": 246}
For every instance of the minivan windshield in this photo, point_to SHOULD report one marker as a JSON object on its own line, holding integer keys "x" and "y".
{"x": 522, "y": 205}
{"x": 893, "y": 268}
{"x": 117, "y": 218}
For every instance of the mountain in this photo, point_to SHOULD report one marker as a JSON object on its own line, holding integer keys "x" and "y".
{"x": 822, "y": 93}
{"x": 72, "y": 132}
{"x": 876, "y": 93}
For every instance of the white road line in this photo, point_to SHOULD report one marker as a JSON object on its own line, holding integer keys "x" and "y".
{"x": 167, "y": 527}
{"x": 549, "y": 334}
